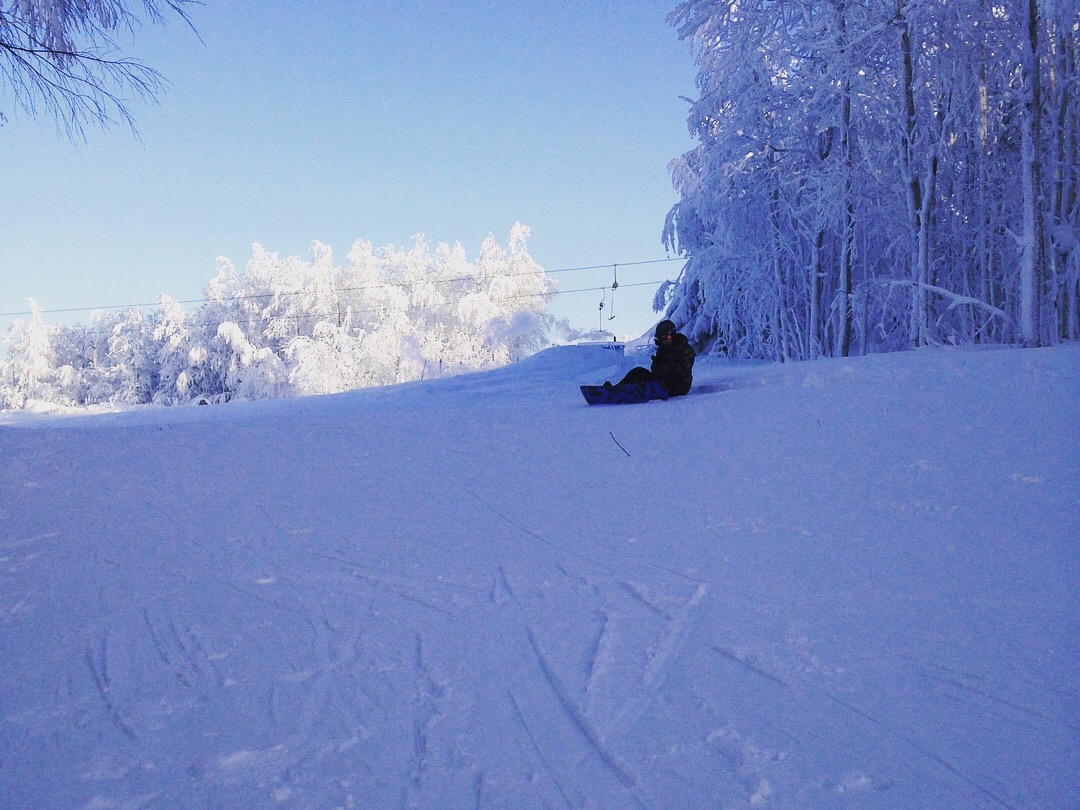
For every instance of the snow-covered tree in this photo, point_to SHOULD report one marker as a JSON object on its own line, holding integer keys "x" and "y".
{"x": 175, "y": 367}
{"x": 877, "y": 175}
{"x": 251, "y": 372}
{"x": 290, "y": 326}
{"x": 30, "y": 370}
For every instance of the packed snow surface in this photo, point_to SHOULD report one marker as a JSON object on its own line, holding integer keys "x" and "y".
{"x": 843, "y": 583}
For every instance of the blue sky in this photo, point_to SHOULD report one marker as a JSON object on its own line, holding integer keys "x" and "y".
{"x": 340, "y": 121}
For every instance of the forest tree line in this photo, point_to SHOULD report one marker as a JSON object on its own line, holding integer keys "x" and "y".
{"x": 876, "y": 175}
{"x": 289, "y": 327}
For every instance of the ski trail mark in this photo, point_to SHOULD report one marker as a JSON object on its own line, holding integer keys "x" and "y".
{"x": 985, "y": 791}
{"x": 161, "y": 647}
{"x": 603, "y": 655}
{"x": 100, "y": 674}
{"x": 429, "y": 693}
{"x": 592, "y": 736}
{"x": 535, "y": 535}
{"x": 539, "y": 752}
{"x": 636, "y": 591}
{"x": 744, "y": 661}
{"x": 501, "y": 589}
{"x": 956, "y": 679}
{"x": 673, "y": 636}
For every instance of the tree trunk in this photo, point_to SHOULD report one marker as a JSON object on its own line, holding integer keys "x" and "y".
{"x": 915, "y": 191}
{"x": 1064, "y": 205}
{"x": 1033, "y": 259}
{"x": 922, "y": 258}
{"x": 847, "y": 236}
{"x": 814, "y": 326}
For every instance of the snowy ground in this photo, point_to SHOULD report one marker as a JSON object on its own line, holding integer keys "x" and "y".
{"x": 848, "y": 583}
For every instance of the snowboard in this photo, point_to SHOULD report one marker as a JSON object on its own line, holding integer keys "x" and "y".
{"x": 623, "y": 394}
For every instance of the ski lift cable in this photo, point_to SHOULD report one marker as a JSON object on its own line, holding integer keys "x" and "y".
{"x": 380, "y": 285}
{"x": 553, "y": 294}
{"x": 314, "y": 316}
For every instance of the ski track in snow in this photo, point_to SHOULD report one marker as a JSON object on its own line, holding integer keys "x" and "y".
{"x": 462, "y": 593}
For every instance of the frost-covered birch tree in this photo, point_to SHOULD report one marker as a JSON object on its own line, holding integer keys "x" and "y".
{"x": 30, "y": 369}
{"x": 877, "y": 175}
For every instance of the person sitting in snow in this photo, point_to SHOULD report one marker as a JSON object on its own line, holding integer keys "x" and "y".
{"x": 673, "y": 364}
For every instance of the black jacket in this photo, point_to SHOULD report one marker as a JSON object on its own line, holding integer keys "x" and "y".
{"x": 673, "y": 365}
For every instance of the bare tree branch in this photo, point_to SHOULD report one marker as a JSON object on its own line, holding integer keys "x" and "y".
{"x": 58, "y": 59}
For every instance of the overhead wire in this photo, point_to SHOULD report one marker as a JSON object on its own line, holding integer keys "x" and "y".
{"x": 298, "y": 317}
{"x": 380, "y": 285}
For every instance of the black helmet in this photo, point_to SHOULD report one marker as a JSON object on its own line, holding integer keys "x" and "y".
{"x": 664, "y": 328}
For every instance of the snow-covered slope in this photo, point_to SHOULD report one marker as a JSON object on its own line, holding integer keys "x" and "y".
{"x": 847, "y": 583}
